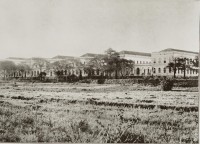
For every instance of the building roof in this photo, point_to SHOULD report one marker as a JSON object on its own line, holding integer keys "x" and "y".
{"x": 17, "y": 58}
{"x": 135, "y": 53}
{"x": 91, "y": 55}
{"x": 178, "y": 50}
{"x": 62, "y": 57}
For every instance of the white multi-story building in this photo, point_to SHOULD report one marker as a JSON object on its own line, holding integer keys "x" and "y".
{"x": 161, "y": 59}
{"x": 145, "y": 64}
{"x": 142, "y": 62}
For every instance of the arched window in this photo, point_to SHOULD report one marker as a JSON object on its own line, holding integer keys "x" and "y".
{"x": 159, "y": 70}
{"x": 164, "y": 70}
{"x": 170, "y": 69}
{"x": 154, "y": 70}
{"x": 137, "y": 71}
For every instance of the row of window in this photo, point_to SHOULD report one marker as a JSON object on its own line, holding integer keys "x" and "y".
{"x": 143, "y": 62}
{"x": 160, "y": 60}
{"x": 188, "y": 61}
{"x": 179, "y": 71}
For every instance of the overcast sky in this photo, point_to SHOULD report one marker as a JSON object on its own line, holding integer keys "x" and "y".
{"x": 73, "y": 27}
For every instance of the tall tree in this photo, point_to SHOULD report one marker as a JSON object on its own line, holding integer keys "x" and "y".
{"x": 43, "y": 64}
{"x": 59, "y": 66}
{"x": 7, "y": 68}
{"x": 178, "y": 63}
{"x": 23, "y": 69}
{"x": 125, "y": 65}
{"x": 95, "y": 64}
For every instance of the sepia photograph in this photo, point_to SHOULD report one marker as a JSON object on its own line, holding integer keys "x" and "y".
{"x": 99, "y": 71}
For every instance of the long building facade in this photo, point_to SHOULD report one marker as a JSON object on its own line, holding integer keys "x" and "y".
{"x": 145, "y": 64}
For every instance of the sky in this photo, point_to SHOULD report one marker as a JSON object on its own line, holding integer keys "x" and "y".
{"x": 46, "y": 28}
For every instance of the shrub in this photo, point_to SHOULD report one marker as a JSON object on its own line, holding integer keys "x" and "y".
{"x": 72, "y": 78}
{"x": 167, "y": 84}
{"x": 186, "y": 82}
{"x": 85, "y": 81}
{"x": 101, "y": 81}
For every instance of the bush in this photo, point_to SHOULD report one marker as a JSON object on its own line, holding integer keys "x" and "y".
{"x": 72, "y": 78}
{"x": 186, "y": 83}
{"x": 167, "y": 84}
{"x": 85, "y": 81}
{"x": 149, "y": 80}
{"x": 101, "y": 81}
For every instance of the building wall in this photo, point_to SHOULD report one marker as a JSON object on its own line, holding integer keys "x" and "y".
{"x": 142, "y": 64}
{"x": 160, "y": 61}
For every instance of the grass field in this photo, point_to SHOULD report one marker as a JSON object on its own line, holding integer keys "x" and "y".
{"x": 97, "y": 113}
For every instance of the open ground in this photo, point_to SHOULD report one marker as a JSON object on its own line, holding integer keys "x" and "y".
{"x": 97, "y": 113}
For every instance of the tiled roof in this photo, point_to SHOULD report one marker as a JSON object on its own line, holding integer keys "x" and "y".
{"x": 91, "y": 55}
{"x": 135, "y": 53}
{"x": 178, "y": 50}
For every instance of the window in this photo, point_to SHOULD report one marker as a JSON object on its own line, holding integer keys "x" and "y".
{"x": 187, "y": 71}
{"x": 148, "y": 71}
{"x": 196, "y": 71}
{"x": 137, "y": 71}
{"x": 164, "y": 70}
{"x": 154, "y": 70}
{"x": 140, "y": 62}
{"x": 137, "y": 62}
{"x": 143, "y": 62}
{"x": 159, "y": 71}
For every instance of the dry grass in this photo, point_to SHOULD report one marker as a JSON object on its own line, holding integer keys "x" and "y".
{"x": 49, "y": 114}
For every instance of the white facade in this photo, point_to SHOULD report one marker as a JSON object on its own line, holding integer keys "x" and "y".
{"x": 145, "y": 64}
{"x": 161, "y": 59}
{"x": 142, "y": 62}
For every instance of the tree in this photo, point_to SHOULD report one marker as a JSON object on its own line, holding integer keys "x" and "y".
{"x": 42, "y": 64}
{"x": 7, "y": 68}
{"x": 111, "y": 62}
{"x": 125, "y": 65}
{"x": 195, "y": 62}
{"x": 23, "y": 68}
{"x": 178, "y": 63}
{"x": 95, "y": 64}
{"x": 59, "y": 66}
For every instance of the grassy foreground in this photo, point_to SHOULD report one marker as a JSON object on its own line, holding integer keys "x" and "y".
{"x": 89, "y": 113}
